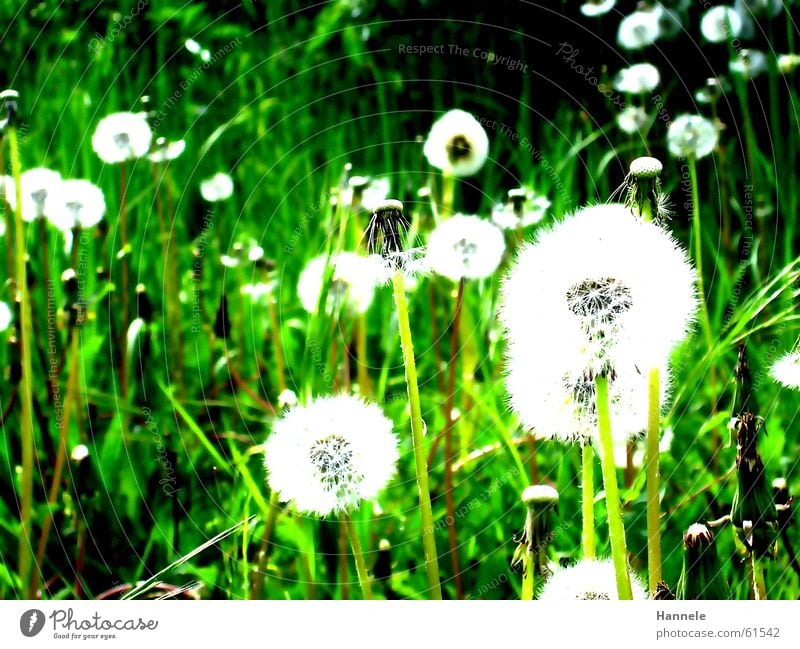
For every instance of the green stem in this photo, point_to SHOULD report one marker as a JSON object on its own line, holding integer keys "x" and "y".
{"x": 417, "y": 432}
{"x": 529, "y": 579}
{"x": 653, "y": 478}
{"x": 26, "y": 386}
{"x": 587, "y": 484}
{"x": 698, "y": 251}
{"x": 757, "y": 572}
{"x": 257, "y": 590}
{"x": 616, "y": 530}
{"x": 358, "y": 555}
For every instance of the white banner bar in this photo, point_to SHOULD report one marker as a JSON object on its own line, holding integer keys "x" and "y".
{"x": 402, "y": 624}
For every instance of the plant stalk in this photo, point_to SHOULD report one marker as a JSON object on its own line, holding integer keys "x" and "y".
{"x": 653, "y": 481}
{"x": 587, "y": 486}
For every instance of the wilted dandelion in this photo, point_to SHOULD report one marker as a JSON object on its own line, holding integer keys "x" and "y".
{"x": 786, "y": 370}
{"x": 588, "y": 580}
{"x": 637, "y": 79}
{"x": 80, "y": 204}
{"x": 40, "y": 189}
{"x": 122, "y": 136}
{"x": 748, "y": 64}
{"x": 594, "y": 8}
{"x": 720, "y": 24}
{"x": 638, "y": 30}
{"x": 457, "y": 144}
{"x": 465, "y": 247}
{"x": 352, "y": 284}
{"x": 218, "y": 187}
{"x": 692, "y": 136}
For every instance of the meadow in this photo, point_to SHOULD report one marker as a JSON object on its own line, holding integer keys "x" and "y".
{"x": 235, "y": 366}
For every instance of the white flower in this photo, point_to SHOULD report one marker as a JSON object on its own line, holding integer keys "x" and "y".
{"x": 465, "y": 247}
{"x": 691, "y": 135}
{"x": 5, "y": 316}
{"x": 217, "y": 188}
{"x": 786, "y": 370}
{"x": 457, "y": 144}
{"x": 589, "y": 579}
{"x": 748, "y": 64}
{"x": 594, "y": 8}
{"x": 534, "y": 209}
{"x": 633, "y": 119}
{"x": 40, "y": 188}
{"x": 375, "y": 192}
{"x": 122, "y": 136}
{"x": 637, "y": 79}
{"x": 80, "y": 204}
{"x": 720, "y": 24}
{"x": 353, "y": 282}
{"x": 638, "y": 30}
{"x": 167, "y": 151}
{"x": 601, "y": 292}
{"x": 330, "y": 455}
{"x": 287, "y": 399}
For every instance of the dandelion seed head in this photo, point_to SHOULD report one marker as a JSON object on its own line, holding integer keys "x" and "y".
{"x": 122, "y": 136}
{"x": 692, "y": 135}
{"x": 80, "y": 203}
{"x": 218, "y": 187}
{"x": 721, "y": 23}
{"x": 589, "y": 580}
{"x": 352, "y": 284}
{"x": 330, "y": 455}
{"x": 539, "y": 494}
{"x": 637, "y": 79}
{"x": 786, "y": 370}
{"x": 788, "y": 63}
{"x": 40, "y": 192}
{"x": 166, "y": 151}
{"x": 748, "y": 64}
{"x": 522, "y": 210}
{"x": 594, "y": 8}
{"x": 370, "y": 192}
{"x": 646, "y": 167}
{"x": 457, "y": 144}
{"x": 633, "y": 119}
{"x": 638, "y": 30}
{"x": 465, "y": 247}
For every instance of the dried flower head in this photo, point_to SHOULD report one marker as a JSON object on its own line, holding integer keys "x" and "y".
{"x": 457, "y": 144}
{"x": 386, "y": 229}
{"x": 590, "y": 580}
{"x": 465, "y": 247}
{"x": 122, "y": 136}
{"x": 330, "y": 455}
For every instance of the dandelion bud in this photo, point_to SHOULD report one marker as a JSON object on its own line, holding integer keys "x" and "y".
{"x": 701, "y": 575}
{"x": 644, "y": 188}
{"x": 541, "y": 501}
{"x": 386, "y": 228}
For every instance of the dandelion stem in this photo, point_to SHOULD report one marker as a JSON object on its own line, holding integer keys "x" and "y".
{"x": 616, "y": 530}
{"x": 123, "y": 230}
{"x": 417, "y": 432}
{"x": 587, "y": 484}
{"x": 26, "y": 385}
{"x": 698, "y": 251}
{"x": 757, "y": 574}
{"x": 263, "y": 555}
{"x": 448, "y": 194}
{"x": 529, "y": 577}
{"x": 358, "y": 555}
{"x": 364, "y": 382}
{"x": 653, "y": 478}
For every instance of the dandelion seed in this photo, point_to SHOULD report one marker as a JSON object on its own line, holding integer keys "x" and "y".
{"x": 465, "y": 247}
{"x": 457, "y": 144}
{"x": 720, "y": 24}
{"x": 353, "y": 282}
{"x": 80, "y": 204}
{"x": 40, "y": 192}
{"x": 217, "y": 188}
{"x": 748, "y": 64}
{"x": 5, "y": 316}
{"x": 692, "y": 135}
{"x": 166, "y": 151}
{"x": 594, "y": 8}
{"x": 633, "y": 119}
{"x": 122, "y": 136}
{"x": 637, "y": 79}
{"x": 330, "y": 455}
{"x": 638, "y": 30}
{"x": 588, "y": 580}
{"x": 786, "y": 370}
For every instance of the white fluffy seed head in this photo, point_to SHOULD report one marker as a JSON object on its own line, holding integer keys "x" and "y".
{"x": 637, "y": 79}
{"x": 40, "y": 192}
{"x": 218, "y": 187}
{"x": 786, "y": 370}
{"x": 601, "y": 292}
{"x": 5, "y": 316}
{"x": 122, "y": 136}
{"x": 465, "y": 247}
{"x": 691, "y": 135}
{"x": 167, "y": 151}
{"x": 720, "y": 24}
{"x": 457, "y": 144}
{"x": 80, "y": 204}
{"x": 748, "y": 64}
{"x": 639, "y": 30}
{"x": 352, "y": 284}
{"x": 633, "y": 119}
{"x": 330, "y": 455}
{"x": 590, "y": 580}
{"x": 593, "y": 8}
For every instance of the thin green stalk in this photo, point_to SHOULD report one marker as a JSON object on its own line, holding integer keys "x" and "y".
{"x": 529, "y": 577}
{"x": 417, "y": 433}
{"x": 698, "y": 251}
{"x": 358, "y": 555}
{"x": 587, "y": 485}
{"x": 263, "y": 555}
{"x": 757, "y": 573}
{"x": 653, "y": 481}
{"x": 616, "y": 530}
{"x": 26, "y": 555}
